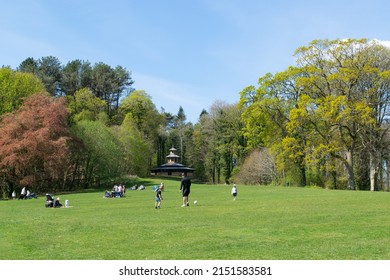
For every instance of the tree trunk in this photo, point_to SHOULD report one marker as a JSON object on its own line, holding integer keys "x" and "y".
{"x": 213, "y": 171}
{"x": 349, "y": 166}
{"x": 387, "y": 183}
{"x": 302, "y": 175}
{"x": 373, "y": 173}
{"x": 334, "y": 179}
{"x": 302, "y": 172}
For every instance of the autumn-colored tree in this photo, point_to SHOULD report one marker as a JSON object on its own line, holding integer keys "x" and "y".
{"x": 33, "y": 144}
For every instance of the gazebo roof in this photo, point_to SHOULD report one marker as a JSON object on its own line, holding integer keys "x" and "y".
{"x": 172, "y": 156}
{"x": 173, "y": 167}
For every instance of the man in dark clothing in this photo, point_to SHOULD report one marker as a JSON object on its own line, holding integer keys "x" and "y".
{"x": 185, "y": 186}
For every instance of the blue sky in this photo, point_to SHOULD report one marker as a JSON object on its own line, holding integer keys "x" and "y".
{"x": 188, "y": 53}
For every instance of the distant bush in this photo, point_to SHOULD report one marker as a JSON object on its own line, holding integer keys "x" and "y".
{"x": 258, "y": 168}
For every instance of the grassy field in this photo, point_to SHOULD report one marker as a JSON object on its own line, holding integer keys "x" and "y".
{"x": 273, "y": 223}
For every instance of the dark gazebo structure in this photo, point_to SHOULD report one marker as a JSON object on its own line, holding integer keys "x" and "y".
{"x": 172, "y": 167}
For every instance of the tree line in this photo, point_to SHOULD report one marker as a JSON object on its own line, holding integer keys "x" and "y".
{"x": 321, "y": 122}
{"x": 326, "y": 119}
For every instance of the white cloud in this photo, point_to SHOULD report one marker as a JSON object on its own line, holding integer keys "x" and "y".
{"x": 382, "y": 42}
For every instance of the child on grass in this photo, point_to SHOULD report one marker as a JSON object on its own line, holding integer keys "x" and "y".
{"x": 234, "y": 191}
{"x": 158, "y": 197}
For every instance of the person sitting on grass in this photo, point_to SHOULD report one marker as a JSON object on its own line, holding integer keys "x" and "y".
{"x": 57, "y": 203}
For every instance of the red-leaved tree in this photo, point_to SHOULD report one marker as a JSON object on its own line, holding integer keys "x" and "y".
{"x": 33, "y": 144}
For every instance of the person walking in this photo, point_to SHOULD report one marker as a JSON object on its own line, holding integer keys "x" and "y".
{"x": 158, "y": 197}
{"x": 234, "y": 191}
{"x": 185, "y": 186}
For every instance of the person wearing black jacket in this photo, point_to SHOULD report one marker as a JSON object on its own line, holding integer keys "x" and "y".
{"x": 185, "y": 186}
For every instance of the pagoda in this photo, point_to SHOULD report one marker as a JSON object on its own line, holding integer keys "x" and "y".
{"x": 172, "y": 167}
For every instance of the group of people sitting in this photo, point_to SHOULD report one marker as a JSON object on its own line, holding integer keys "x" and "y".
{"x": 24, "y": 194}
{"x": 120, "y": 190}
{"x": 136, "y": 187}
{"x": 116, "y": 191}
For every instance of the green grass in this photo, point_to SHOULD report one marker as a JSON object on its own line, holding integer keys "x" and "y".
{"x": 274, "y": 223}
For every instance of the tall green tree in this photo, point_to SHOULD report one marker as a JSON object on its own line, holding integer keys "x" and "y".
{"x": 83, "y": 105}
{"x": 177, "y": 134}
{"x": 163, "y": 134}
{"x": 267, "y": 112}
{"x": 15, "y": 87}
{"x": 110, "y": 84}
{"x": 143, "y": 112}
{"x": 48, "y": 69}
{"x": 231, "y": 143}
{"x": 139, "y": 108}
{"x": 217, "y": 143}
{"x": 198, "y": 149}
{"x": 101, "y": 158}
{"x": 136, "y": 150}
{"x": 374, "y": 86}
{"x": 29, "y": 65}
{"x": 335, "y": 103}
{"x": 75, "y": 75}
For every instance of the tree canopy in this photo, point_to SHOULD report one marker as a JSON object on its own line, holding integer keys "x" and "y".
{"x": 14, "y": 87}
{"x": 33, "y": 143}
{"x": 328, "y": 109}
{"x": 323, "y": 122}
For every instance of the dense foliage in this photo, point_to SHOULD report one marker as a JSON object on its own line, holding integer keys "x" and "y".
{"x": 327, "y": 114}
{"x": 33, "y": 143}
{"x": 323, "y": 121}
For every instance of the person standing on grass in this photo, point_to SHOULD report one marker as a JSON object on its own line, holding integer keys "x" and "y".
{"x": 234, "y": 191}
{"x": 22, "y": 193}
{"x": 158, "y": 197}
{"x": 185, "y": 186}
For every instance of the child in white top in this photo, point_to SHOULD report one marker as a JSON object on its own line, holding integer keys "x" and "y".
{"x": 234, "y": 191}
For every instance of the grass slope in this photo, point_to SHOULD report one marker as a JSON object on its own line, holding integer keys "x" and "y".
{"x": 274, "y": 223}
